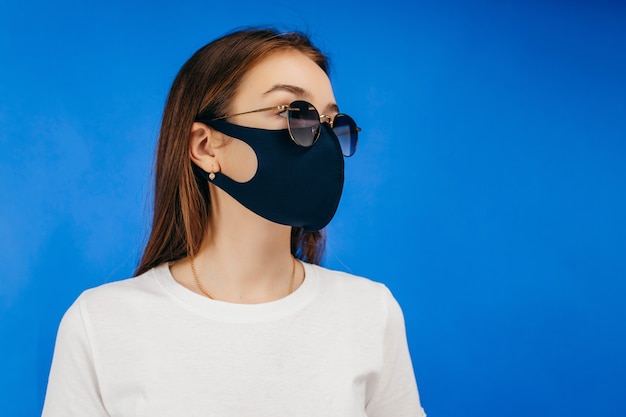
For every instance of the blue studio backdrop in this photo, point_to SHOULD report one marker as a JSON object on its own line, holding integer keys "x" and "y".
{"x": 488, "y": 191}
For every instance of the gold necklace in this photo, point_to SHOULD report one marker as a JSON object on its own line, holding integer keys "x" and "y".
{"x": 208, "y": 294}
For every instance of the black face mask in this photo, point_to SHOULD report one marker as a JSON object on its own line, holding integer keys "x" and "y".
{"x": 293, "y": 185}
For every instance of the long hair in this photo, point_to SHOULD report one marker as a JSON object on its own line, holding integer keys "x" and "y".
{"x": 206, "y": 84}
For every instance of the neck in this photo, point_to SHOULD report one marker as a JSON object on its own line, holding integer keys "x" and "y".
{"x": 244, "y": 258}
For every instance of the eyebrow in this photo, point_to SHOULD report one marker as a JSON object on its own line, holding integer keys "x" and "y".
{"x": 301, "y": 92}
{"x": 293, "y": 89}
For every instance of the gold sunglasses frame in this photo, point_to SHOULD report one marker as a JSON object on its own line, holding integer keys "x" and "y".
{"x": 287, "y": 107}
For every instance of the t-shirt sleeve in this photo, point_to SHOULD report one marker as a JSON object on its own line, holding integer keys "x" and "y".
{"x": 73, "y": 389}
{"x": 395, "y": 393}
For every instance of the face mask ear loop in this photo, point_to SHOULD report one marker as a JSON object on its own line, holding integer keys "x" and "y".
{"x": 200, "y": 172}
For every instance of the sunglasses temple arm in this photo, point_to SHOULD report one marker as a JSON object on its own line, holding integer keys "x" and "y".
{"x": 283, "y": 108}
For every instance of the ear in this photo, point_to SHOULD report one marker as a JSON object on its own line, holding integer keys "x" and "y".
{"x": 202, "y": 145}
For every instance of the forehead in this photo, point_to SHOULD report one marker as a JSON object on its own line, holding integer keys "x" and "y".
{"x": 285, "y": 68}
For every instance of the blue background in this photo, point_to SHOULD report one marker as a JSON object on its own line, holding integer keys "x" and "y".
{"x": 488, "y": 191}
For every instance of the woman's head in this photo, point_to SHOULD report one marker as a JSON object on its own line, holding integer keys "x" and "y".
{"x": 208, "y": 84}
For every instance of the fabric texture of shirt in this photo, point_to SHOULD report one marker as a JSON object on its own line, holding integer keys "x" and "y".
{"x": 149, "y": 347}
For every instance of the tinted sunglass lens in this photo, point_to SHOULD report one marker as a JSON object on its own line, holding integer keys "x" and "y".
{"x": 304, "y": 123}
{"x": 347, "y": 132}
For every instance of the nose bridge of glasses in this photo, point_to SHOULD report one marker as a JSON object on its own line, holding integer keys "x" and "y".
{"x": 327, "y": 118}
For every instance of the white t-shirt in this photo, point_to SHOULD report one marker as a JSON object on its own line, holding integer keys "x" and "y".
{"x": 149, "y": 347}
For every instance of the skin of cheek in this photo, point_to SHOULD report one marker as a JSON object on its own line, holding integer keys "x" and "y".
{"x": 238, "y": 160}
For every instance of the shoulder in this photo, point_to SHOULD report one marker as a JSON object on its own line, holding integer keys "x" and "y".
{"x": 143, "y": 283}
{"x": 121, "y": 297}
{"x": 338, "y": 281}
{"x": 355, "y": 292}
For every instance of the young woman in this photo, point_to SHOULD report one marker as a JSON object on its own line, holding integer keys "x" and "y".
{"x": 229, "y": 314}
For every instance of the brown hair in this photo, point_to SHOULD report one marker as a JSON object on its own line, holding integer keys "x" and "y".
{"x": 206, "y": 84}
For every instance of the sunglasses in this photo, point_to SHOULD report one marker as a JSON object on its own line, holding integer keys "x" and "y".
{"x": 305, "y": 124}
